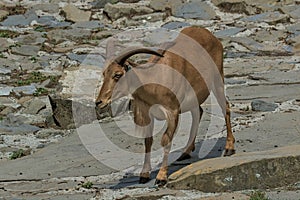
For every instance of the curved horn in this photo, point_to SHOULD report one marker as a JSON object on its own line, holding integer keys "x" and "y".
{"x": 124, "y": 56}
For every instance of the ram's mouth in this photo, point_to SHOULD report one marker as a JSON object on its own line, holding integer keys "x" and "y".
{"x": 103, "y": 105}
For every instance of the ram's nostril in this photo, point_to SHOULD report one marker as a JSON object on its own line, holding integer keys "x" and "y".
{"x": 98, "y": 103}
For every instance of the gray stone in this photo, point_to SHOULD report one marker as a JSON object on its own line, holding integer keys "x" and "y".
{"x": 228, "y": 32}
{"x": 101, "y": 3}
{"x": 88, "y": 25}
{"x": 76, "y": 35}
{"x": 50, "y": 22}
{"x": 8, "y": 110}
{"x": 26, "y": 50}
{"x": 67, "y": 158}
{"x": 5, "y": 90}
{"x": 163, "y": 5}
{"x": 270, "y": 35}
{"x": 25, "y": 90}
{"x": 262, "y": 106}
{"x": 22, "y": 129}
{"x": 78, "y": 57}
{"x": 73, "y": 14}
{"x": 4, "y": 71}
{"x": 294, "y": 28}
{"x": 34, "y": 106}
{"x": 292, "y": 10}
{"x": 263, "y": 170}
{"x": 159, "y": 36}
{"x": 47, "y": 133}
{"x": 175, "y": 25}
{"x": 195, "y": 10}
{"x": 153, "y": 17}
{"x": 35, "y": 38}
{"x": 249, "y": 43}
{"x": 276, "y": 77}
{"x": 268, "y": 17}
{"x": 236, "y": 6}
{"x": 20, "y": 20}
{"x": 3, "y": 14}
{"x": 116, "y": 11}
{"x": 65, "y": 110}
{"x": 4, "y": 44}
{"x": 47, "y": 7}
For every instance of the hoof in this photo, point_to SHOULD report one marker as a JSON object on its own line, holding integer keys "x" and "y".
{"x": 144, "y": 180}
{"x": 160, "y": 183}
{"x": 229, "y": 152}
{"x": 184, "y": 156}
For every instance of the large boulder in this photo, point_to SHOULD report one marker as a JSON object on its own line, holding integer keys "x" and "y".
{"x": 255, "y": 170}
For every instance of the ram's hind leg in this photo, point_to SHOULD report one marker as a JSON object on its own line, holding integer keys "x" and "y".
{"x": 196, "y": 117}
{"x": 166, "y": 142}
{"x": 229, "y": 148}
{"x": 223, "y": 103}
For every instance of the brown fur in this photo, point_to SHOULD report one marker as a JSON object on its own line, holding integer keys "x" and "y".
{"x": 152, "y": 94}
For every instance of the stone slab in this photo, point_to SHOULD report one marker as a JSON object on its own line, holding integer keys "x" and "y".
{"x": 263, "y": 170}
{"x": 64, "y": 159}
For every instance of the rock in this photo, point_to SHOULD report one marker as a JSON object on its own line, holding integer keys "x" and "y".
{"x": 270, "y": 35}
{"x": 26, "y": 50}
{"x": 20, "y": 20}
{"x": 153, "y": 17}
{"x": 52, "y": 22}
{"x": 46, "y": 7}
{"x": 24, "y": 90}
{"x": 236, "y": 6}
{"x": 101, "y": 3}
{"x": 47, "y": 133}
{"x": 58, "y": 35}
{"x": 18, "y": 129}
{"x": 195, "y": 10}
{"x": 263, "y": 170}
{"x": 175, "y": 25}
{"x": 262, "y": 106}
{"x": 88, "y": 25}
{"x": 34, "y": 106}
{"x": 35, "y": 38}
{"x": 73, "y": 14}
{"x": 268, "y": 17}
{"x": 5, "y": 91}
{"x": 249, "y": 43}
{"x": 3, "y": 14}
{"x": 116, "y": 11}
{"x": 68, "y": 114}
{"x": 8, "y": 110}
{"x": 10, "y": 102}
{"x": 292, "y": 10}
{"x": 104, "y": 34}
{"x": 4, "y": 44}
{"x": 159, "y": 36}
{"x": 228, "y": 32}
{"x": 78, "y": 57}
{"x": 163, "y": 5}
{"x": 294, "y": 28}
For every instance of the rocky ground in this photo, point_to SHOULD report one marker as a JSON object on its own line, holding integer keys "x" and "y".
{"x": 56, "y": 48}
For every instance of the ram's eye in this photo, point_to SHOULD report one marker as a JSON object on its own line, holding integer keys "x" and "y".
{"x": 117, "y": 76}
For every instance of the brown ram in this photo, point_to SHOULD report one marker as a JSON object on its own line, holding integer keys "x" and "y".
{"x": 175, "y": 75}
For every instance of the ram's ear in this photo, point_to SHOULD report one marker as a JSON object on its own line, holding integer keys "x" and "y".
{"x": 131, "y": 63}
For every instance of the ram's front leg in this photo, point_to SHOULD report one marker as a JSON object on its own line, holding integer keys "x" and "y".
{"x": 144, "y": 128}
{"x": 166, "y": 142}
{"x": 147, "y": 131}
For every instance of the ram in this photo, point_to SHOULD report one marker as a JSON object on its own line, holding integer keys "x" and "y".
{"x": 178, "y": 77}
